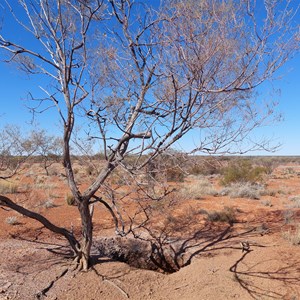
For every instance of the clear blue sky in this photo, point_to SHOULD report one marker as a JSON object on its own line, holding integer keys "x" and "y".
{"x": 15, "y": 86}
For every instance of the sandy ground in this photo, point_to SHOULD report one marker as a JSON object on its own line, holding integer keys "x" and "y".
{"x": 32, "y": 265}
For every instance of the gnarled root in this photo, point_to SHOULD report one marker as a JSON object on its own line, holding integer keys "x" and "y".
{"x": 81, "y": 262}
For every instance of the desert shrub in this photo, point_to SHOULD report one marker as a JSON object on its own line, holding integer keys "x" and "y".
{"x": 48, "y": 186}
{"x": 295, "y": 201}
{"x": 119, "y": 178}
{"x": 12, "y": 221}
{"x": 243, "y": 190}
{"x": 174, "y": 174}
{"x": 53, "y": 171}
{"x": 8, "y": 188}
{"x": 242, "y": 171}
{"x": 289, "y": 171}
{"x": 169, "y": 166}
{"x": 295, "y": 198}
{"x": 269, "y": 192}
{"x": 293, "y": 236}
{"x": 266, "y": 203}
{"x": 70, "y": 200}
{"x": 227, "y": 215}
{"x": 288, "y": 216}
{"x": 269, "y": 166}
{"x": 262, "y": 229}
{"x": 210, "y": 166}
{"x": 48, "y": 204}
{"x": 89, "y": 170}
{"x": 198, "y": 189}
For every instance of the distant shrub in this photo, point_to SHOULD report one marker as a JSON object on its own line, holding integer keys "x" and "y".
{"x": 293, "y": 236}
{"x": 8, "y": 188}
{"x": 89, "y": 170}
{"x": 271, "y": 192}
{"x": 53, "y": 171}
{"x": 288, "y": 216}
{"x": 243, "y": 190}
{"x": 48, "y": 204}
{"x": 169, "y": 166}
{"x": 266, "y": 203}
{"x": 262, "y": 229}
{"x": 12, "y": 221}
{"x": 289, "y": 171}
{"x": 70, "y": 200}
{"x": 174, "y": 174}
{"x": 242, "y": 171}
{"x": 198, "y": 189}
{"x": 227, "y": 215}
{"x": 202, "y": 211}
{"x": 205, "y": 167}
{"x": 295, "y": 201}
{"x": 295, "y": 198}
{"x": 269, "y": 166}
{"x": 120, "y": 178}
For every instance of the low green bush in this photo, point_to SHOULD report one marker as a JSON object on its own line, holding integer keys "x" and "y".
{"x": 243, "y": 171}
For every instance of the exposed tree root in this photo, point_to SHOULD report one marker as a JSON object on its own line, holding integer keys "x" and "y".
{"x": 43, "y": 292}
{"x": 112, "y": 283}
{"x": 116, "y": 286}
{"x": 81, "y": 263}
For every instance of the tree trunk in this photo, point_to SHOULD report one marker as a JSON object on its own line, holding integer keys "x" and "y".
{"x": 83, "y": 257}
{"x": 82, "y": 250}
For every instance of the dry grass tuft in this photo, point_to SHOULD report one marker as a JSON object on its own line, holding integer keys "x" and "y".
{"x": 227, "y": 215}
{"x": 295, "y": 201}
{"x": 266, "y": 203}
{"x": 12, "y": 221}
{"x": 288, "y": 216}
{"x": 48, "y": 204}
{"x": 202, "y": 187}
{"x": 8, "y": 188}
{"x": 243, "y": 190}
{"x": 293, "y": 236}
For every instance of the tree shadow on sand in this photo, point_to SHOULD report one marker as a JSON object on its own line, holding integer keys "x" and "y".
{"x": 179, "y": 241}
{"x": 288, "y": 276}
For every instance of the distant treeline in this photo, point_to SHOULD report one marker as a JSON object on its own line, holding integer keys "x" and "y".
{"x": 254, "y": 158}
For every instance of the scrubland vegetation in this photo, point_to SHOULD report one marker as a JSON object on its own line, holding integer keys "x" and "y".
{"x": 172, "y": 180}
{"x": 129, "y": 80}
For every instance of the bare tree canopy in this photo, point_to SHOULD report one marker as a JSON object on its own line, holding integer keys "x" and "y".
{"x": 135, "y": 78}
